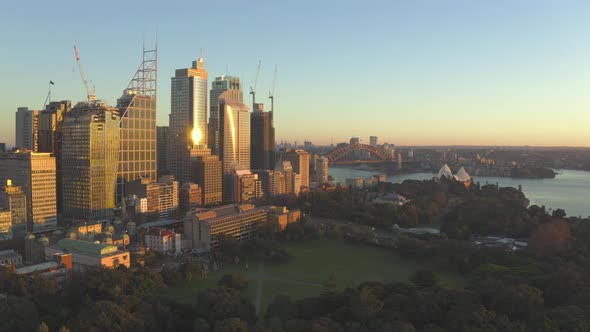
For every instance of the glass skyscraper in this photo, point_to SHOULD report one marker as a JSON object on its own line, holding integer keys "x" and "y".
{"x": 230, "y": 86}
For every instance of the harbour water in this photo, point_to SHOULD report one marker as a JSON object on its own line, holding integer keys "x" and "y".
{"x": 569, "y": 190}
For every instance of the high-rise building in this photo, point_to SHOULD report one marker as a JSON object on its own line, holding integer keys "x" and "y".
{"x": 285, "y": 168}
{"x": 234, "y": 140}
{"x": 300, "y": 161}
{"x": 51, "y": 136}
{"x": 296, "y": 183}
{"x": 188, "y": 117}
{"x": 246, "y": 186}
{"x": 229, "y": 85}
{"x": 207, "y": 173}
{"x": 162, "y": 149}
{"x": 190, "y": 197}
{"x": 321, "y": 171}
{"x": 35, "y": 173}
{"x": 168, "y": 196}
{"x": 27, "y": 128}
{"x": 150, "y": 191}
{"x": 137, "y": 112}
{"x": 373, "y": 140}
{"x": 262, "y": 139}
{"x": 13, "y": 199}
{"x": 90, "y": 157}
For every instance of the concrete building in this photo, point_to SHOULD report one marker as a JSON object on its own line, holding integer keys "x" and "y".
{"x": 168, "y": 199}
{"x": 162, "y": 149}
{"x": 27, "y": 128}
{"x": 5, "y": 224}
{"x": 89, "y": 255}
{"x": 296, "y": 183}
{"x": 190, "y": 197}
{"x": 188, "y": 117}
{"x": 57, "y": 269}
{"x": 148, "y": 192}
{"x": 51, "y": 138}
{"x": 162, "y": 240}
{"x": 300, "y": 161}
{"x": 14, "y": 199}
{"x": 35, "y": 173}
{"x": 286, "y": 168}
{"x": 220, "y": 85}
{"x": 202, "y": 228}
{"x": 247, "y": 186}
{"x": 262, "y": 139}
{"x": 90, "y": 159}
{"x": 281, "y": 216}
{"x": 207, "y": 172}
{"x": 322, "y": 171}
{"x": 234, "y": 140}
{"x": 2, "y": 147}
{"x": 10, "y": 257}
{"x": 373, "y": 140}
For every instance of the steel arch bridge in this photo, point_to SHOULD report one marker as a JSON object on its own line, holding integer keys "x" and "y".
{"x": 338, "y": 153}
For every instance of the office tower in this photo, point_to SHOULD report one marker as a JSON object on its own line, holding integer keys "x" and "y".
{"x": 221, "y": 84}
{"x": 5, "y": 223}
{"x": 137, "y": 113}
{"x": 168, "y": 196}
{"x": 150, "y": 191}
{"x": 300, "y": 161}
{"x": 35, "y": 173}
{"x": 190, "y": 197}
{"x": 162, "y": 149}
{"x": 51, "y": 137}
{"x": 188, "y": 117}
{"x": 296, "y": 183}
{"x": 27, "y": 128}
{"x": 321, "y": 171}
{"x": 13, "y": 199}
{"x": 207, "y": 173}
{"x": 373, "y": 140}
{"x": 234, "y": 139}
{"x": 90, "y": 157}
{"x": 262, "y": 139}
{"x": 285, "y": 168}
{"x": 246, "y": 186}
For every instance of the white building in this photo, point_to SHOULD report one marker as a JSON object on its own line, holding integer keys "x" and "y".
{"x": 163, "y": 240}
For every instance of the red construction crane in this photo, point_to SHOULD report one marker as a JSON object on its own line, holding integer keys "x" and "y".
{"x": 89, "y": 94}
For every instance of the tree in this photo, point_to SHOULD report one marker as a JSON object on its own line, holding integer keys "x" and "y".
{"x": 232, "y": 324}
{"x": 550, "y": 237}
{"x": 200, "y": 325}
{"x": 43, "y": 327}
{"x": 365, "y": 305}
{"x": 424, "y": 278}
{"x": 234, "y": 280}
{"x": 106, "y": 316}
{"x": 18, "y": 314}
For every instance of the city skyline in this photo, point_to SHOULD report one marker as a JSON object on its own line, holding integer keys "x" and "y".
{"x": 455, "y": 73}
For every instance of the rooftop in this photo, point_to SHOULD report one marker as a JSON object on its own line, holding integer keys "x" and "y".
{"x": 85, "y": 247}
{"x": 5, "y": 254}
{"x": 37, "y": 267}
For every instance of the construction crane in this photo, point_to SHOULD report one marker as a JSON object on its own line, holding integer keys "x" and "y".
{"x": 89, "y": 94}
{"x": 253, "y": 89}
{"x": 271, "y": 94}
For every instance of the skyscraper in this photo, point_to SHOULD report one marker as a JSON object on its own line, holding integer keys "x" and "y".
{"x": 234, "y": 140}
{"x": 246, "y": 186}
{"x": 300, "y": 161}
{"x": 262, "y": 139}
{"x": 229, "y": 85}
{"x": 188, "y": 117}
{"x": 26, "y": 128}
{"x": 137, "y": 112}
{"x": 51, "y": 137}
{"x": 321, "y": 171}
{"x": 13, "y": 199}
{"x": 35, "y": 173}
{"x": 90, "y": 157}
{"x": 207, "y": 173}
{"x": 285, "y": 168}
{"x": 373, "y": 140}
{"x": 162, "y": 149}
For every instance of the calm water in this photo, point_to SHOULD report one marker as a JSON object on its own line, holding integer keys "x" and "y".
{"x": 570, "y": 190}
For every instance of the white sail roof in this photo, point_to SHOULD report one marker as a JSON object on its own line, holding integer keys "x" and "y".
{"x": 462, "y": 175}
{"x": 445, "y": 171}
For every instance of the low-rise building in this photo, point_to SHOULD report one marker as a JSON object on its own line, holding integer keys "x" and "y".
{"x": 10, "y": 257}
{"x": 203, "y": 227}
{"x": 56, "y": 269}
{"x": 87, "y": 255}
{"x": 162, "y": 240}
{"x": 281, "y": 216}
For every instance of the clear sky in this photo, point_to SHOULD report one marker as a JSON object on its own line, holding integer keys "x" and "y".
{"x": 415, "y": 72}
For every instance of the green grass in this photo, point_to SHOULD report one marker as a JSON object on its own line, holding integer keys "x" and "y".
{"x": 314, "y": 262}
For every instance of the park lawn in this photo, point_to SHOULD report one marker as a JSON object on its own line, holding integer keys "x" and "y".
{"x": 312, "y": 263}
{"x": 350, "y": 264}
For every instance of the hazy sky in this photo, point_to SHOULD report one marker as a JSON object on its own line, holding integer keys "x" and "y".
{"x": 412, "y": 72}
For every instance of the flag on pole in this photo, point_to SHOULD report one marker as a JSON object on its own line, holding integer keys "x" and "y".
{"x": 51, "y": 82}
